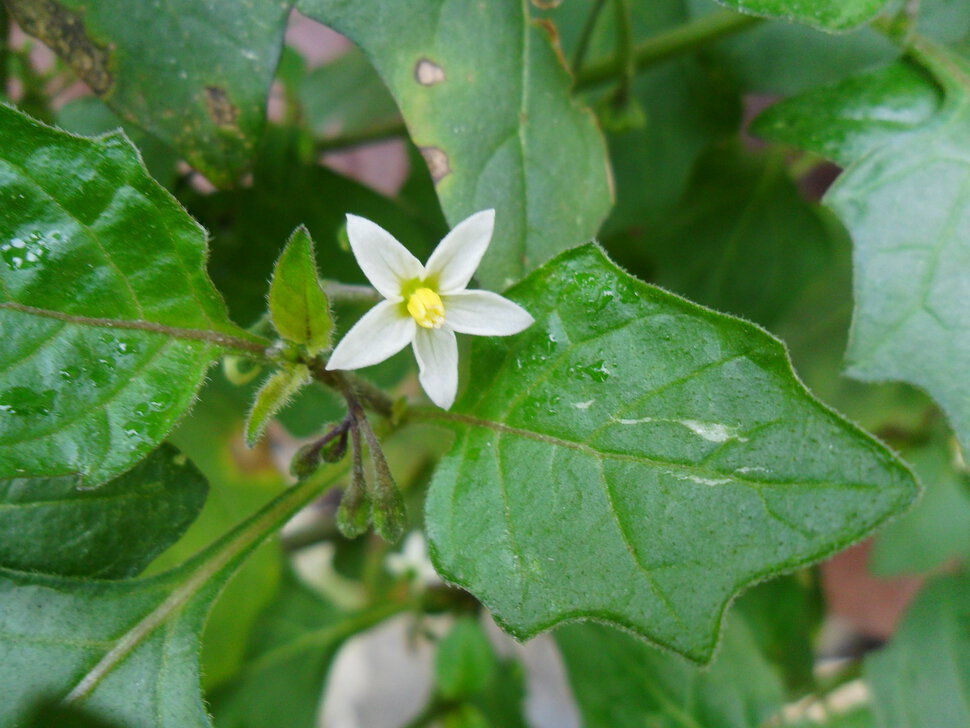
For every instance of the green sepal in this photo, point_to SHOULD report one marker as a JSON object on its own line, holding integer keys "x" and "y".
{"x": 297, "y": 302}
{"x": 272, "y": 397}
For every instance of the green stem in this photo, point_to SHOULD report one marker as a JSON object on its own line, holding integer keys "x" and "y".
{"x": 585, "y": 35}
{"x": 217, "y": 561}
{"x": 390, "y": 130}
{"x": 352, "y": 387}
{"x": 625, "y": 50}
{"x": 678, "y": 41}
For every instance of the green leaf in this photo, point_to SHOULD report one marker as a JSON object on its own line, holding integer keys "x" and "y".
{"x": 276, "y": 391}
{"x": 160, "y": 65}
{"x": 639, "y": 459}
{"x": 110, "y": 320}
{"x": 816, "y": 330}
{"x": 937, "y": 530}
{"x": 127, "y": 651}
{"x": 907, "y": 207}
{"x": 846, "y": 121}
{"x": 786, "y": 59}
{"x": 823, "y": 14}
{"x": 292, "y": 646}
{"x": 923, "y": 677}
{"x": 297, "y": 303}
{"x": 621, "y": 682}
{"x": 739, "y": 207}
{"x": 465, "y": 662}
{"x": 51, "y": 525}
{"x": 487, "y": 100}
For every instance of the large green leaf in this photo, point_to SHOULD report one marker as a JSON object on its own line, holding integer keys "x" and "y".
{"x": 845, "y": 121}
{"x": 621, "y": 682}
{"x": 52, "y": 526}
{"x": 824, "y": 14}
{"x": 907, "y": 207}
{"x": 128, "y": 651}
{"x": 487, "y": 99}
{"x": 109, "y": 319}
{"x": 923, "y": 677}
{"x": 195, "y": 73}
{"x": 635, "y": 458}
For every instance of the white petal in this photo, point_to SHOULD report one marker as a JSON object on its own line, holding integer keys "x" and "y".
{"x": 437, "y": 353}
{"x": 381, "y": 333}
{"x": 458, "y": 254}
{"x": 385, "y": 262}
{"x": 484, "y": 313}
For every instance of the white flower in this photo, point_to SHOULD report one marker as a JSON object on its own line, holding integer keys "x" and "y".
{"x": 425, "y": 304}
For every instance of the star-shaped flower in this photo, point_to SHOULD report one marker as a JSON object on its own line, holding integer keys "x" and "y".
{"x": 425, "y": 304}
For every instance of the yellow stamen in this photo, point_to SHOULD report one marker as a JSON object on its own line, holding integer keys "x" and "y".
{"x": 427, "y": 309}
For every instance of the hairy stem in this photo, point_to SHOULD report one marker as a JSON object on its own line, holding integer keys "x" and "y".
{"x": 669, "y": 44}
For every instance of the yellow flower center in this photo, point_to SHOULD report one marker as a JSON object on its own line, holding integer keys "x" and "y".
{"x": 427, "y": 309}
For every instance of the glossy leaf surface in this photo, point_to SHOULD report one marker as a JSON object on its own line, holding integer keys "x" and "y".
{"x": 824, "y": 14}
{"x": 621, "y": 682}
{"x": 845, "y": 121}
{"x": 638, "y": 459}
{"x": 109, "y": 318}
{"x": 50, "y": 525}
{"x": 922, "y": 678}
{"x": 493, "y": 116}
{"x": 194, "y": 73}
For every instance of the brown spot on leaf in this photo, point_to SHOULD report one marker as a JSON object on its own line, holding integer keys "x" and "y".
{"x": 222, "y": 111}
{"x": 437, "y": 162}
{"x": 547, "y": 4}
{"x": 63, "y": 30}
{"x": 428, "y": 73}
